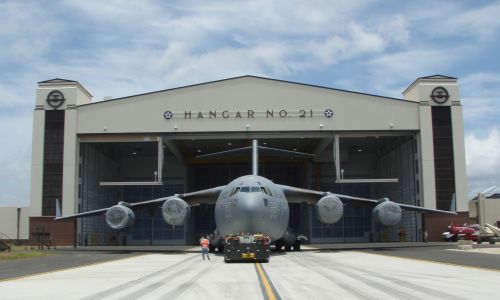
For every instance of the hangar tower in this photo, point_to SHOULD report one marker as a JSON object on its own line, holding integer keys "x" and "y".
{"x": 88, "y": 155}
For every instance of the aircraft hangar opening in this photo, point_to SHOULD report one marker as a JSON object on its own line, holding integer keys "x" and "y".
{"x": 369, "y": 165}
{"x": 157, "y": 145}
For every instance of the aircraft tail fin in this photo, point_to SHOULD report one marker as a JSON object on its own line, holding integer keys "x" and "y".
{"x": 255, "y": 158}
{"x": 58, "y": 209}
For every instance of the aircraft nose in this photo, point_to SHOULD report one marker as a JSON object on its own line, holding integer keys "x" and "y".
{"x": 245, "y": 210}
{"x": 254, "y": 210}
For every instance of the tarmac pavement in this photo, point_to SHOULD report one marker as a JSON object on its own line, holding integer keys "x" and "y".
{"x": 387, "y": 272}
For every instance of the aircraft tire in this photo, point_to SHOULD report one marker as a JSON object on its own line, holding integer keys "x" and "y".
{"x": 288, "y": 248}
{"x": 278, "y": 246}
{"x": 454, "y": 238}
{"x": 296, "y": 246}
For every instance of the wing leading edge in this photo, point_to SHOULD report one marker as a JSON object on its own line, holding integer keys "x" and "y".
{"x": 208, "y": 196}
{"x": 296, "y": 195}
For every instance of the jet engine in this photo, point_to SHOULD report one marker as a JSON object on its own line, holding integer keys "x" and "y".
{"x": 329, "y": 209}
{"x": 119, "y": 217}
{"x": 175, "y": 211}
{"x": 387, "y": 212}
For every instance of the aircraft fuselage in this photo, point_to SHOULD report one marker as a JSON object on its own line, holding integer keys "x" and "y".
{"x": 252, "y": 204}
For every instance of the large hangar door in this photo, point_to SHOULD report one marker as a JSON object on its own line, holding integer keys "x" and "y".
{"x": 366, "y": 165}
{"x": 122, "y": 162}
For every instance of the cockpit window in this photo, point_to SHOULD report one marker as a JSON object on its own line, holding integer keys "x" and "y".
{"x": 250, "y": 189}
{"x": 265, "y": 190}
{"x": 235, "y": 190}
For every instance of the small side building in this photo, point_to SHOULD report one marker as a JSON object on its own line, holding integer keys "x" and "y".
{"x": 485, "y": 209}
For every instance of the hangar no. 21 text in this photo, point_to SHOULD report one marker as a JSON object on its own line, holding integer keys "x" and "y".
{"x": 249, "y": 114}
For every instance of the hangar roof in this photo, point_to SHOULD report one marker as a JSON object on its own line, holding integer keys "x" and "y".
{"x": 239, "y": 78}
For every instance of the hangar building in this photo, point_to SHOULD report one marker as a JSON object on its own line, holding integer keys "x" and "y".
{"x": 89, "y": 155}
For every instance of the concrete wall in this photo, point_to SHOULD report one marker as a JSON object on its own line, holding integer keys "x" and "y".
{"x": 144, "y": 113}
{"x": 37, "y": 162}
{"x": 485, "y": 210}
{"x": 8, "y": 223}
{"x": 420, "y": 91}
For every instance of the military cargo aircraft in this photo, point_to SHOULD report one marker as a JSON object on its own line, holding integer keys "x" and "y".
{"x": 254, "y": 204}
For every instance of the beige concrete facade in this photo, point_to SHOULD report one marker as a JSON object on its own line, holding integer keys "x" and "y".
{"x": 144, "y": 113}
{"x": 246, "y": 106}
{"x": 420, "y": 91}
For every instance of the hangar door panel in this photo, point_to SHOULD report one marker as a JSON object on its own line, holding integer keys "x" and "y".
{"x": 117, "y": 162}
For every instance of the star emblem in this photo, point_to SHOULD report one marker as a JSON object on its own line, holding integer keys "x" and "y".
{"x": 328, "y": 113}
{"x": 168, "y": 115}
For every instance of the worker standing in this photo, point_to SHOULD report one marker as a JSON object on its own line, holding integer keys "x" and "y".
{"x": 204, "y": 247}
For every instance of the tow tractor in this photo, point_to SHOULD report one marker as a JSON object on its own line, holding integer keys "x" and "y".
{"x": 243, "y": 247}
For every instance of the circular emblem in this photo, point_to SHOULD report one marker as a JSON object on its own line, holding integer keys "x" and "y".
{"x": 55, "y": 99}
{"x": 440, "y": 95}
{"x": 328, "y": 113}
{"x": 168, "y": 115}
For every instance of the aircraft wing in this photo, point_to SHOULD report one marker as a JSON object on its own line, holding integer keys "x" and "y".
{"x": 297, "y": 195}
{"x": 208, "y": 196}
{"x": 84, "y": 214}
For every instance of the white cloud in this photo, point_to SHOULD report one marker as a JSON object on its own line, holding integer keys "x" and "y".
{"x": 483, "y": 160}
{"x": 481, "y": 23}
{"x": 27, "y": 31}
{"x": 117, "y": 48}
{"x": 480, "y": 98}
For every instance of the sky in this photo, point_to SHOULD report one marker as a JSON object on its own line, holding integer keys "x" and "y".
{"x": 121, "y": 48}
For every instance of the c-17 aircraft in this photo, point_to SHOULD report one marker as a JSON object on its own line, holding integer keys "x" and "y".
{"x": 253, "y": 204}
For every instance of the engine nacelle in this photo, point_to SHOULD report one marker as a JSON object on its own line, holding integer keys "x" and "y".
{"x": 175, "y": 211}
{"x": 119, "y": 217}
{"x": 387, "y": 213}
{"x": 329, "y": 209}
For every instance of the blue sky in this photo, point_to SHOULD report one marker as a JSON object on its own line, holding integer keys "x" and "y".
{"x": 119, "y": 48}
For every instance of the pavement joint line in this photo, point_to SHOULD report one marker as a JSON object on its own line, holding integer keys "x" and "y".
{"x": 431, "y": 261}
{"x": 70, "y": 268}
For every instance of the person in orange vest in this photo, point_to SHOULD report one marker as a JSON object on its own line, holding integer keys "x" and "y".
{"x": 204, "y": 247}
